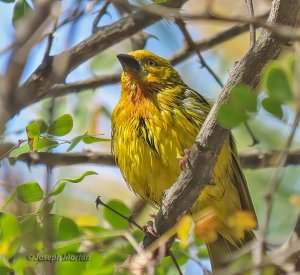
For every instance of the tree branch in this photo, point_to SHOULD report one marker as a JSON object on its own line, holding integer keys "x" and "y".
{"x": 182, "y": 195}
{"x": 91, "y": 83}
{"x": 45, "y": 75}
{"x": 251, "y": 159}
{"x": 207, "y": 43}
{"x": 176, "y": 58}
{"x": 27, "y": 33}
{"x": 256, "y": 159}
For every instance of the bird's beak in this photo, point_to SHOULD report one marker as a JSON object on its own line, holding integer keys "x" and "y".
{"x": 128, "y": 62}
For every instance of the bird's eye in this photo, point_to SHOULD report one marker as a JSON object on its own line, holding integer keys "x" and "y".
{"x": 151, "y": 62}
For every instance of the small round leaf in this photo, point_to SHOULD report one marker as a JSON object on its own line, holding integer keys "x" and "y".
{"x": 29, "y": 192}
{"x": 278, "y": 84}
{"x": 230, "y": 116}
{"x": 272, "y": 106}
{"x": 61, "y": 126}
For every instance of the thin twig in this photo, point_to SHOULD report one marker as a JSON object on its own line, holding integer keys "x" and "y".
{"x": 131, "y": 221}
{"x": 128, "y": 219}
{"x": 180, "y": 23}
{"x": 100, "y": 14}
{"x": 175, "y": 262}
{"x": 50, "y": 39}
{"x": 251, "y": 25}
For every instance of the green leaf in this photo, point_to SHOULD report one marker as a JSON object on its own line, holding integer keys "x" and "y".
{"x": 19, "y": 151}
{"x": 181, "y": 255}
{"x": 10, "y": 228}
{"x": 46, "y": 208}
{"x": 70, "y": 267}
{"x": 278, "y": 84}
{"x": 115, "y": 220}
{"x": 42, "y": 125}
{"x": 95, "y": 263}
{"x": 9, "y": 200}
{"x": 29, "y": 192}
{"x": 103, "y": 61}
{"x": 33, "y": 130}
{"x": 61, "y": 126}
{"x": 91, "y": 139}
{"x": 29, "y": 224}
{"x": 58, "y": 188}
{"x": 272, "y": 106}
{"x": 229, "y": 116}
{"x": 74, "y": 142}
{"x": 43, "y": 144}
{"x": 79, "y": 179}
{"x": 7, "y": 1}
{"x": 244, "y": 98}
{"x": 67, "y": 229}
{"x": 33, "y": 133}
{"x": 3, "y": 269}
{"x": 21, "y": 265}
{"x": 159, "y": 1}
{"x": 20, "y": 9}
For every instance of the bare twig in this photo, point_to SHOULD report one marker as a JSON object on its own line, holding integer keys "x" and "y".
{"x": 26, "y": 36}
{"x": 180, "y": 23}
{"x": 91, "y": 83}
{"x": 50, "y": 39}
{"x": 100, "y": 14}
{"x": 251, "y": 26}
{"x": 212, "y": 41}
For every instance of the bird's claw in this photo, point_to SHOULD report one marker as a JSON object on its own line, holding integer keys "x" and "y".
{"x": 150, "y": 229}
{"x": 185, "y": 161}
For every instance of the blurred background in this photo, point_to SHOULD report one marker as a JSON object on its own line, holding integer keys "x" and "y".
{"x": 91, "y": 111}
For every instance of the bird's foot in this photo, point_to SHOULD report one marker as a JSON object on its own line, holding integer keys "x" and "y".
{"x": 185, "y": 161}
{"x": 150, "y": 227}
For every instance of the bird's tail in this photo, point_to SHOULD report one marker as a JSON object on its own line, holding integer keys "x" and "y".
{"x": 222, "y": 249}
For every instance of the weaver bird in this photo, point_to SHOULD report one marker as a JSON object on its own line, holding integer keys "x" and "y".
{"x": 157, "y": 118}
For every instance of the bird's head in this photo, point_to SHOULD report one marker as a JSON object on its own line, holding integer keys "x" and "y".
{"x": 148, "y": 70}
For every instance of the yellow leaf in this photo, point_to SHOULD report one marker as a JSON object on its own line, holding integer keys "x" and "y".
{"x": 4, "y": 246}
{"x": 295, "y": 200}
{"x": 206, "y": 225}
{"x": 183, "y": 230}
{"x": 86, "y": 220}
{"x": 242, "y": 221}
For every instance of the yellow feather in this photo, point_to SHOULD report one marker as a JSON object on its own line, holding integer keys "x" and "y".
{"x": 157, "y": 117}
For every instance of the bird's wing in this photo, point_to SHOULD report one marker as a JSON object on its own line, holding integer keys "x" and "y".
{"x": 240, "y": 180}
{"x": 201, "y": 107}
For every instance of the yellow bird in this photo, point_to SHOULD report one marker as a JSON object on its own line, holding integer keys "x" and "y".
{"x": 157, "y": 118}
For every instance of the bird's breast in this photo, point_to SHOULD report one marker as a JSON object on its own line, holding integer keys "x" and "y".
{"x": 148, "y": 143}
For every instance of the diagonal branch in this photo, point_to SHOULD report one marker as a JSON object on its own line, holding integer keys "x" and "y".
{"x": 210, "y": 42}
{"x": 182, "y": 195}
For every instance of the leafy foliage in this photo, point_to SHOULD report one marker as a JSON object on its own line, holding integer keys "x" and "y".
{"x": 38, "y": 142}
{"x": 241, "y": 104}
{"x": 278, "y": 81}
